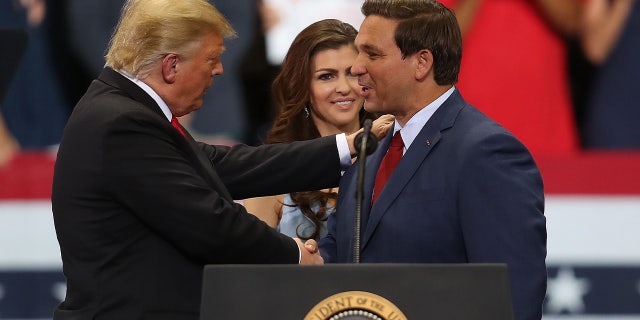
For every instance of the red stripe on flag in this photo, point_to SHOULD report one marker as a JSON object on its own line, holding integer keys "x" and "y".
{"x": 593, "y": 172}
{"x": 29, "y": 174}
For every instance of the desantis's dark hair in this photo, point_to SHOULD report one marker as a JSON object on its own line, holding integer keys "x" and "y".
{"x": 424, "y": 24}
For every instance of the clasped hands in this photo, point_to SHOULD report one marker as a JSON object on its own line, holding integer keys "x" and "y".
{"x": 309, "y": 252}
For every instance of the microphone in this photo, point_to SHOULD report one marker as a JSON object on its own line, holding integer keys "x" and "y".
{"x": 366, "y": 141}
{"x": 367, "y": 144}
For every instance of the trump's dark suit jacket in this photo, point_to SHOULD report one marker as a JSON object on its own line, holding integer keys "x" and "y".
{"x": 466, "y": 190}
{"x": 139, "y": 209}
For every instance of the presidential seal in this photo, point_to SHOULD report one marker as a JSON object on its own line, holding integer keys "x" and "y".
{"x": 355, "y": 305}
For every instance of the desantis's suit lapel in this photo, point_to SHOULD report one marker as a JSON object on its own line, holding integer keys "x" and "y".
{"x": 420, "y": 148}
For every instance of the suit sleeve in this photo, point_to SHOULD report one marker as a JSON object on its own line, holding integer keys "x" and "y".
{"x": 276, "y": 168}
{"x": 501, "y": 207}
{"x": 155, "y": 179}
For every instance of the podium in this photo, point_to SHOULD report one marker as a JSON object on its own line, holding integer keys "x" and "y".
{"x": 356, "y": 291}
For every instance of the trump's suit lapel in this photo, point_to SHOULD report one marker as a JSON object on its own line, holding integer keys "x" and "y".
{"x": 201, "y": 161}
{"x": 417, "y": 153}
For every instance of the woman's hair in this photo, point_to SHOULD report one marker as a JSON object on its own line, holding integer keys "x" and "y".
{"x": 149, "y": 29}
{"x": 291, "y": 94}
{"x": 424, "y": 24}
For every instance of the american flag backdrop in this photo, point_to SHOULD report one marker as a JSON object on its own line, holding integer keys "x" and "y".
{"x": 593, "y": 223}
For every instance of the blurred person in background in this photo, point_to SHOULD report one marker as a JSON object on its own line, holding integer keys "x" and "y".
{"x": 35, "y": 108}
{"x": 514, "y": 67}
{"x": 611, "y": 41}
{"x": 91, "y": 24}
{"x": 8, "y": 144}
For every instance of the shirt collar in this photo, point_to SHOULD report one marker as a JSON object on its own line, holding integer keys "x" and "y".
{"x": 163, "y": 106}
{"x": 419, "y": 120}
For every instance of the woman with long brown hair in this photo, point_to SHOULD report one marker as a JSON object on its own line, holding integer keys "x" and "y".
{"x": 317, "y": 96}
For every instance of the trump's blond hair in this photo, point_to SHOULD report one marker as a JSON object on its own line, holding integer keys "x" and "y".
{"x": 150, "y": 29}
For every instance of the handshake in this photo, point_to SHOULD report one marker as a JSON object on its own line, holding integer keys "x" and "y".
{"x": 309, "y": 253}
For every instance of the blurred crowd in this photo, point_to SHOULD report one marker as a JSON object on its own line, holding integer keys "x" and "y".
{"x": 558, "y": 74}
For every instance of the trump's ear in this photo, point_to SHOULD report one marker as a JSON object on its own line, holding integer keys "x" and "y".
{"x": 424, "y": 64}
{"x": 169, "y": 67}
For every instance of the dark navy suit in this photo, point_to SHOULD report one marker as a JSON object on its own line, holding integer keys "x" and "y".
{"x": 466, "y": 191}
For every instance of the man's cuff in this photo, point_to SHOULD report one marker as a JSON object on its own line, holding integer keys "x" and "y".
{"x": 343, "y": 150}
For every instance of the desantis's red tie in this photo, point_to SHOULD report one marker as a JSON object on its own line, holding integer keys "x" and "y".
{"x": 176, "y": 124}
{"x": 388, "y": 164}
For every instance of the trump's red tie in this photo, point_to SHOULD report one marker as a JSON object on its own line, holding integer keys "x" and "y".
{"x": 388, "y": 164}
{"x": 176, "y": 124}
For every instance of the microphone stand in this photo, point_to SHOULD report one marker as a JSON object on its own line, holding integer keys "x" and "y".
{"x": 367, "y": 143}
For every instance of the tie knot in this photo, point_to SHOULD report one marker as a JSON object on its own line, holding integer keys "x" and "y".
{"x": 396, "y": 141}
{"x": 176, "y": 124}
